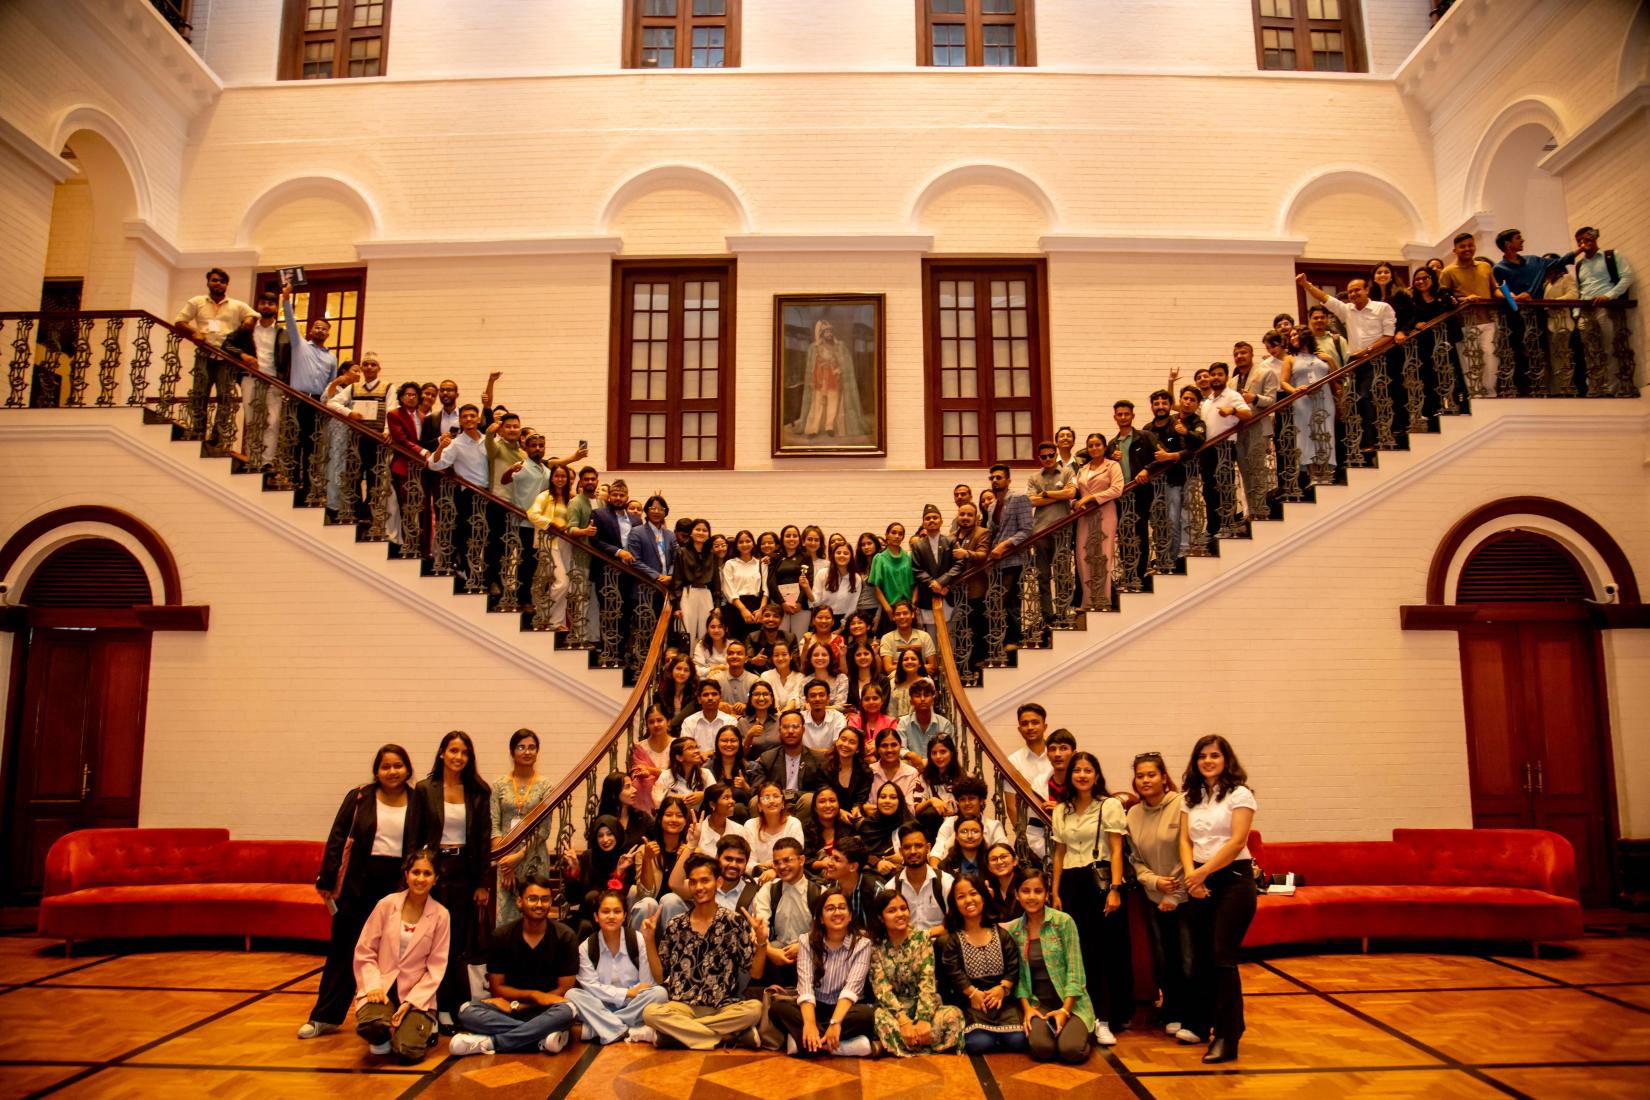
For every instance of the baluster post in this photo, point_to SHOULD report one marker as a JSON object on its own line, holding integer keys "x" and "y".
{"x": 641, "y": 634}
{"x": 1505, "y": 386}
{"x": 475, "y": 577}
{"x": 108, "y": 368}
{"x": 383, "y": 489}
{"x": 195, "y": 421}
{"x": 1195, "y": 510}
{"x": 1627, "y": 369}
{"x": 509, "y": 567}
{"x": 1064, "y": 568}
{"x": 1289, "y": 455}
{"x": 1415, "y": 390}
{"x": 1352, "y": 420}
{"x": 578, "y": 603}
{"x": 284, "y": 474}
{"x": 319, "y": 454}
{"x": 17, "y": 373}
{"x": 1380, "y": 399}
{"x": 1231, "y": 513}
{"x": 141, "y": 353}
{"x": 1561, "y": 327}
{"x": 412, "y": 513}
{"x": 996, "y": 618}
{"x": 257, "y": 420}
{"x": 446, "y": 521}
{"x": 1031, "y": 600}
{"x": 79, "y": 364}
{"x": 1162, "y": 527}
{"x": 1127, "y": 578}
{"x": 228, "y": 406}
{"x": 610, "y": 616}
{"x": 1443, "y": 369}
{"x": 962, "y": 637}
{"x": 1535, "y": 350}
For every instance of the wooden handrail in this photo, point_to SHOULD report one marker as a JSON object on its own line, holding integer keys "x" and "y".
{"x": 575, "y": 776}
{"x": 1160, "y": 469}
{"x": 965, "y": 710}
{"x": 357, "y": 427}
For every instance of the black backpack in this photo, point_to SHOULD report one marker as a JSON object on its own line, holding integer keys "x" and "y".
{"x": 593, "y": 947}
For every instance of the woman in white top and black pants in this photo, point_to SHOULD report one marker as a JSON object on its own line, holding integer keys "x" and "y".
{"x": 1219, "y": 810}
{"x": 456, "y": 820}
{"x": 1088, "y": 831}
{"x": 376, "y": 828}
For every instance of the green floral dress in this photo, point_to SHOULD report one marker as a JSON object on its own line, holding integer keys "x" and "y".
{"x": 902, "y": 981}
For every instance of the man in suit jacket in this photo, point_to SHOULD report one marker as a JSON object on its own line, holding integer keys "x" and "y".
{"x": 933, "y": 564}
{"x": 1258, "y": 383}
{"x": 1010, "y": 526}
{"x": 796, "y": 769}
{"x": 971, "y": 548}
{"x": 265, "y": 346}
{"x": 652, "y": 544}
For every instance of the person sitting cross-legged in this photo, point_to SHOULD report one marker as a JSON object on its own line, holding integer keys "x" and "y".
{"x": 531, "y": 966}
{"x": 615, "y": 983}
{"x": 828, "y": 1016}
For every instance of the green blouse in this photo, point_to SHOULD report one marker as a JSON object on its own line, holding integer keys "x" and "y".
{"x": 1062, "y": 958}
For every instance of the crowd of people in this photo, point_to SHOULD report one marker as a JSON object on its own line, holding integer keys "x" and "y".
{"x": 797, "y": 571}
{"x": 857, "y": 908}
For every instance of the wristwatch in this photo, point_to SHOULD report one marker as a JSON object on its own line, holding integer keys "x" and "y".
{"x": 515, "y": 1006}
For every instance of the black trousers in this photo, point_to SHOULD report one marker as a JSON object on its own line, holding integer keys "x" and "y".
{"x": 1011, "y": 602}
{"x": 1219, "y": 923}
{"x": 380, "y": 875}
{"x": 1071, "y": 1046}
{"x": 1105, "y": 943}
{"x": 303, "y": 449}
{"x": 455, "y": 888}
{"x": 1172, "y": 956}
{"x": 786, "y": 1015}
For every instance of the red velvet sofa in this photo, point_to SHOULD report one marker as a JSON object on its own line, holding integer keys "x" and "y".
{"x": 137, "y": 883}
{"x": 1423, "y": 884}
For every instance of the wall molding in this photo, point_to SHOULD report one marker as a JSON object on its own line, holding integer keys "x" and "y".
{"x": 35, "y": 155}
{"x": 1589, "y": 136}
{"x": 447, "y": 620}
{"x": 1289, "y": 247}
{"x": 1080, "y": 661}
{"x": 830, "y": 242}
{"x": 446, "y": 248}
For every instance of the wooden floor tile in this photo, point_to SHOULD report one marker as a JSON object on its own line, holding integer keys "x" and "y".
{"x": 1338, "y": 973}
{"x": 252, "y": 971}
{"x": 27, "y": 958}
{"x": 1632, "y": 994}
{"x": 1577, "y": 1082}
{"x": 1258, "y": 979}
{"x": 124, "y": 1083}
{"x": 264, "y": 1033}
{"x": 105, "y": 1023}
{"x": 1595, "y": 959}
{"x": 22, "y": 1080}
{"x": 1283, "y": 1033}
{"x": 1390, "y": 1085}
{"x": 1535, "y": 1026}
{"x": 1020, "y": 1078}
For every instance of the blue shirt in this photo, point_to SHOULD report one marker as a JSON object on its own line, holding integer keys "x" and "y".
{"x": 1593, "y": 277}
{"x": 312, "y": 367}
{"x": 916, "y": 738}
{"x": 1530, "y": 277}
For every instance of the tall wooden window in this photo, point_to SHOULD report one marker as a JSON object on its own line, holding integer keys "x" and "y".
{"x": 975, "y": 32}
{"x": 337, "y": 296}
{"x": 323, "y": 39}
{"x": 672, "y": 364}
{"x": 986, "y": 334}
{"x": 1309, "y": 35}
{"x": 681, "y": 34}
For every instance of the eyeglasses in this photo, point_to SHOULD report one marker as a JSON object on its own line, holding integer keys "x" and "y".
{"x": 1045, "y": 454}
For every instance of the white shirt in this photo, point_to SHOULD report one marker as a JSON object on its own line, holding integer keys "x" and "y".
{"x": 667, "y": 785}
{"x": 263, "y": 338}
{"x": 925, "y": 911}
{"x": 787, "y": 691}
{"x": 708, "y": 836}
{"x": 452, "y": 825}
{"x": 1209, "y": 824}
{"x": 762, "y": 842}
{"x": 213, "y": 320}
{"x": 1363, "y": 326}
{"x": 704, "y": 730}
{"x": 466, "y": 457}
{"x": 1036, "y": 768}
{"x": 743, "y": 578}
{"x": 613, "y": 976}
{"x": 791, "y": 919}
{"x": 821, "y": 735}
{"x": 1218, "y": 422}
{"x": 392, "y": 828}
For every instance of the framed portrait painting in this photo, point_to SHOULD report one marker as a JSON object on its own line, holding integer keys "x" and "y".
{"x": 828, "y": 375}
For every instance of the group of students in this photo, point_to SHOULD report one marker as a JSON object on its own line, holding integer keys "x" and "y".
{"x": 823, "y": 924}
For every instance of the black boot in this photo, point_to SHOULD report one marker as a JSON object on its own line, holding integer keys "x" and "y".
{"x": 1222, "y": 1050}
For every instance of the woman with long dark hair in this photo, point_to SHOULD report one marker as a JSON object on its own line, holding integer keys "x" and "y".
{"x": 694, "y": 578}
{"x": 1088, "y": 875}
{"x": 910, "y": 1019}
{"x": 514, "y": 795}
{"x": 548, "y": 514}
{"x": 1219, "y": 811}
{"x": 824, "y": 828}
{"x": 790, "y": 582}
{"x": 650, "y": 756}
{"x": 760, "y": 723}
{"x": 731, "y": 766}
{"x": 864, "y": 669}
{"x": 840, "y": 591}
{"x": 830, "y": 1015}
{"x": 967, "y": 854}
{"x": 710, "y": 650}
{"x": 375, "y": 829}
{"x": 846, "y": 773}
{"x": 1385, "y": 283}
{"x": 880, "y": 827}
{"x": 1002, "y": 880}
{"x": 1053, "y": 986}
{"x": 402, "y": 958}
{"x": 618, "y": 798}
{"x": 983, "y": 966}
{"x": 678, "y": 690}
{"x": 685, "y": 775}
{"x": 744, "y": 585}
{"x": 455, "y": 822}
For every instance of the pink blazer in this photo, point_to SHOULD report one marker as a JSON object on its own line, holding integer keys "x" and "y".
{"x": 380, "y": 961}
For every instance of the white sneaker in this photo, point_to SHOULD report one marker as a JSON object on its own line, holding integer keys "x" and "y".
{"x": 790, "y": 1045}
{"x": 379, "y": 1048}
{"x": 857, "y": 1047}
{"x": 586, "y": 1033}
{"x": 1103, "y": 1035}
{"x": 465, "y": 1043}
{"x": 316, "y": 1028}
{"x": 1185, "y": 1036}
{"x": 1171, "y": 1030}
{"x": 642, "y": 1034}
{"x": 556, "y": 1041}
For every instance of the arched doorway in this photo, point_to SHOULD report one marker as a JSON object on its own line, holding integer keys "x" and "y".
{"x": 1519, "y": 193}
{"x": 83, "y": 584}
{"x": 1528, "y": 584}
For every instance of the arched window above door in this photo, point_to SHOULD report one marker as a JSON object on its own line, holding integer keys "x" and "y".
{"x": 1517, "y": 566}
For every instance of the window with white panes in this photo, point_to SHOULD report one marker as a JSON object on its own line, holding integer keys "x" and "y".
{"x": 1308, "y": 35}
{"x": 325, "y": 39}
{"x": 987, "y": 377}
{"x": 673, "y": 390}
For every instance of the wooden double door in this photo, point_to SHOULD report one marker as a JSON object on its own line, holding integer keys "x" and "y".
{"x": 76, "y": 757}
{"x": 1536, "y": 745}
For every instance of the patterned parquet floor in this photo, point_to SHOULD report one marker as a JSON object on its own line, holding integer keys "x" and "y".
{"x": 141, "y": 1022}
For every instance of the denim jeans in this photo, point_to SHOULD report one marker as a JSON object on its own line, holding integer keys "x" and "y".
{"x": 512, "y": 1033}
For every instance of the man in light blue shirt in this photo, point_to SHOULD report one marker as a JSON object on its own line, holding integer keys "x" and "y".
{"x": 1603, "y": 276}
{"x": 313, "y": 367}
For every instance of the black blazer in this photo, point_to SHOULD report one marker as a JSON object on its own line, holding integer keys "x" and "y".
{"x": 808, "y": 775}
{"x": 429, "y": 434}
{"x": 358, "y": 818}
{"x": 241, "y": 342}
{"x": 927, "y": 570}
{"x": 478, "y": 826}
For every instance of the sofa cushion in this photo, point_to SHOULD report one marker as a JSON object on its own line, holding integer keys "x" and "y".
{"x": 289, "y": 861}
{"x": 120, "y": 857}
{"x": 1413, "y": 912}
{"x": 187, "y": 909}
{"x": 1344, "y": 862}
{"x": 1526, "y": 858}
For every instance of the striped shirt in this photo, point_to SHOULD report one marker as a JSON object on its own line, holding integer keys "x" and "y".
{"x": 841, "y": 978}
